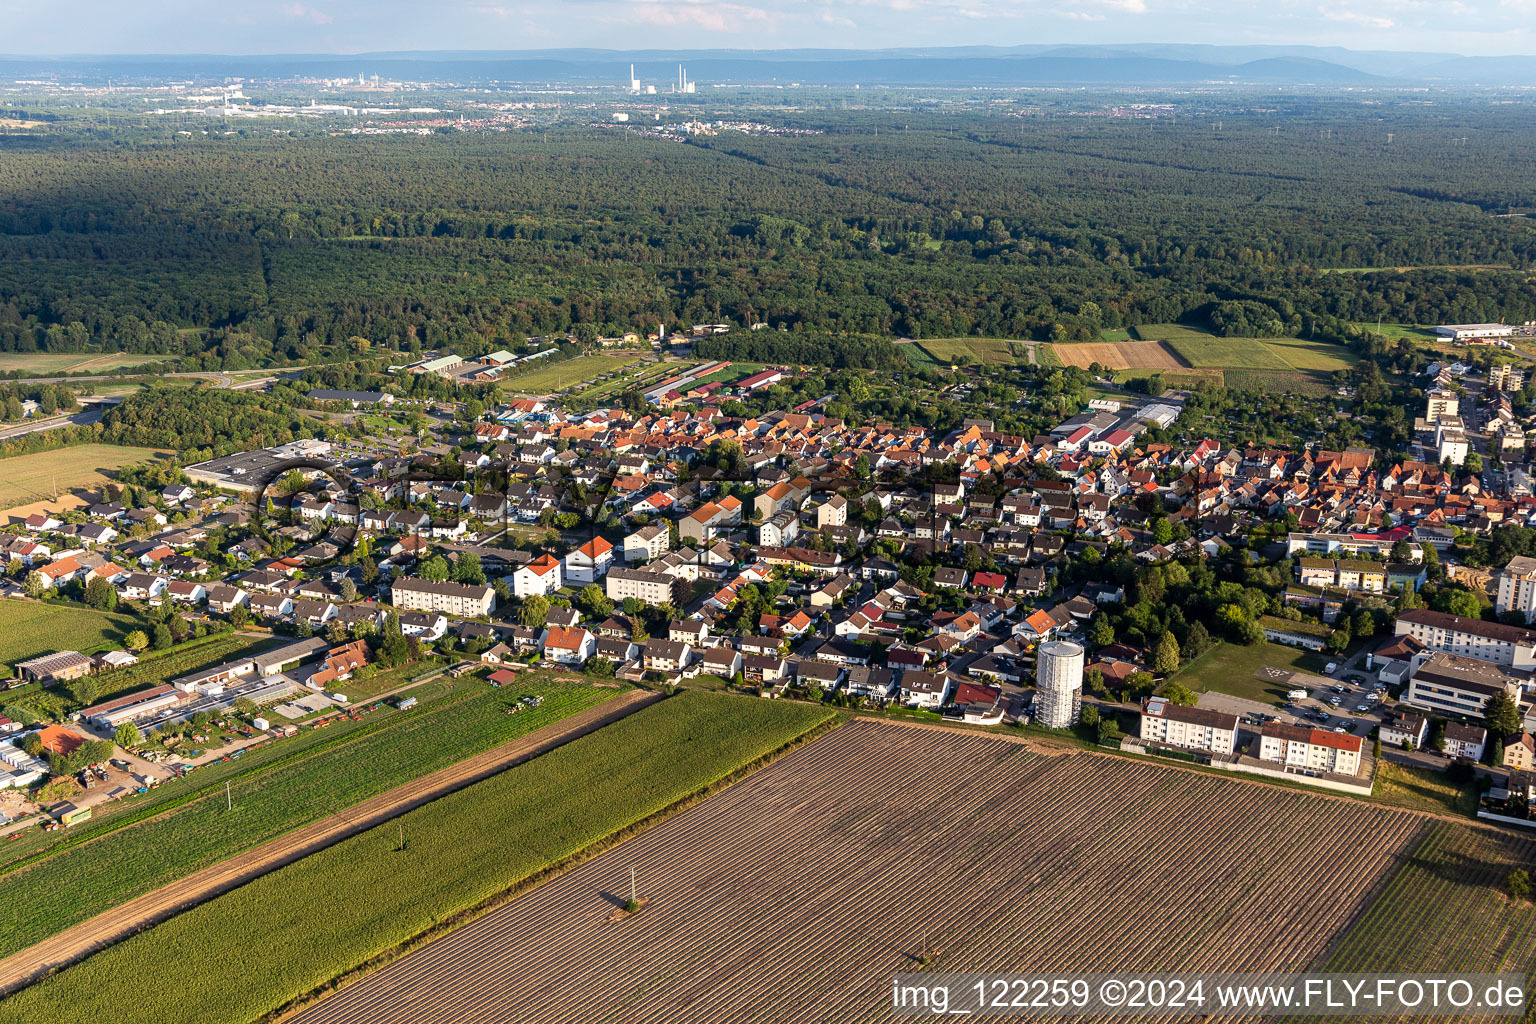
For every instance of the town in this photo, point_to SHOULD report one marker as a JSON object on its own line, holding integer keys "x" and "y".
{"x": 1068, "y": 580}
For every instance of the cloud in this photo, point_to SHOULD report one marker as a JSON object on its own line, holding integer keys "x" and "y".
{"x": 711, "y": 17}
{"x": 1357, "y": 18}
{"x": 298, "y": 12}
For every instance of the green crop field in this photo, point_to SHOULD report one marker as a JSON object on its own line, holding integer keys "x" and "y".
{"x": 1445, "y": 905}
{"x": 559, "y": 376}
{"x": 52, "y": 364}
{"x": 51, "y": 893}
{"x": 287, "y": 933}
{"x": 25, "y": 478}
{"x": 1209, "y": 351}
{"x": 30, "y": 628}
{"x": 1311, "y": 355}
{"x": 992, "y": 351}
{"x": 1314, "y": 384}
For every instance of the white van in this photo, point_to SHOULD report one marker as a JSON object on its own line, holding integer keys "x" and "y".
{"x": 1297, "y": 695}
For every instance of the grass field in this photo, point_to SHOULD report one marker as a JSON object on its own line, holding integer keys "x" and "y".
{"x": 975, "y": 351}
{"x": 1399, "y": 785}
{"x": 1413, "y": 332}
{"x": 295, "y": 929}
{"x": 1445, "y": 906}
{"x": 25, "y": 478}
{"x": 69, "y": 886}
{"x": 1231, "y": 668}
{"x": 798, "y": 893}
{"x": 1210, "y": 352}
{"x": 51, "y": 364}
{"x": 1311, "y": 355}
{"x": 559, "y": 376}
{"x": 30, "y": 628}
{"x": 1204, "y": 350}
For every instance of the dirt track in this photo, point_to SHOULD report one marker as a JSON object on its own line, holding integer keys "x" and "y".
{"x": 118, "y": 923}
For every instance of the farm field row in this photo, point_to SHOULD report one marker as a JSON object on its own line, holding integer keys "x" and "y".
{"x": 637, "y": 375}
{"x": 293, "y": 931}
{"x": 25, "y": 478}
{"x": 51, "y": 894}
{"x": 1445, "y": 906}
{"x": 562, "y": 375}
{"x": 797, "y": 894}
{"x": 30, "y": 628}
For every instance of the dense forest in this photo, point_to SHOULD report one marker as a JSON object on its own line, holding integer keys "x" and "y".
{"x": 245, "y": 249}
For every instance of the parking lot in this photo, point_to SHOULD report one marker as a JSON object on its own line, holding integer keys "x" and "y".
{"x": 1345, "y": 702}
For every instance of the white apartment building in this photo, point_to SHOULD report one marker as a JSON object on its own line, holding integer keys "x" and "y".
{"x": 542, "y": 577}
{"x": 646, "y": 544}
{"x": 1163, "y": 721}
{"x": 1517, "y": 588}
{"x": 653, "y": 588}
{"x": 1510, "y": 646}
{"x": 1310, "y": 750}
{"x": 460, "y": 599}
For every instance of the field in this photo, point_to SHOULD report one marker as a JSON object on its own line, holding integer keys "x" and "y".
{"x": 559, "y": 376}
{"x": 30, "y": 477}
{"x": 1444, "y": 907}
{"x": 295, "y": 929}
{"x": 1417, "y": 789}
{"x": 1309, "y": 355}
{"x": 30, "y": 628}
{"x": 797, "y": 894}
{"x": 1121, "y": 355}
{"x": 55, "y": 364}
{"x": 1232, "y": 668}
{"x": 69, "y": 886}
{"x": 972, "y": 351}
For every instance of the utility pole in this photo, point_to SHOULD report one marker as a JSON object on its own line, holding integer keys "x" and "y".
{"x": 229, "y": 801}
{"x": 633, "y": 898}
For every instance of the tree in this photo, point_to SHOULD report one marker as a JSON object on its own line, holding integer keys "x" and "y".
{"x": 1518, "y": 882}
{"x": 128, "y": 736}
{"x": 161, "y": 637}
{"x": 1501, "y": 715}
{"x": 370, "y": 571}
{"x": 434, "y": 569}
{"x": 393, "y": 648}
{"x": 1178, "y": 693}
{"x": 535, "y": 610}
{"x": 86, "y": 689}
{"x": 1165, "y": 656}
{"x": 244, "y": 706}
{"x": 468, "y": 569}
{"x": 136, "y": 641}
{"x": 100, "y": 594}
{"x": 348, "y": 589}
{"x": 1197, "y": 641}
{"x": 1089, "y": 715}
{"x": 1162, "y": 530}
{"x": 594, "y": 602}
{"x": 33, "y": 585}
{"x": 1101, "y": 633}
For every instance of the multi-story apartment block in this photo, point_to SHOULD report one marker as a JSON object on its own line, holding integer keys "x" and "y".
{"x": 1171, "y": 724}
{"x": 1517, "y": 588}
{"x": 1310, "y": 750}
{"x": 460, "y": 599}
{"x": 1493, "y": 642}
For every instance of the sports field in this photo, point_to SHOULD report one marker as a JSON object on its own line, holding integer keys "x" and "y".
{"x": 25, "y": 478}
{"x": 559, "y": 376}
{"x": 30, "y": 628}
{"x": 49, "y": 364}
{"x": 797, "y": 894}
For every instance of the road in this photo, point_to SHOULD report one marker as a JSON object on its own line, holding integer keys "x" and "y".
{"x": 118, "y": 923}
{"x": 83, "y": 418}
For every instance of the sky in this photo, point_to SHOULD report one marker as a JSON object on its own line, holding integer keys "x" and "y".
{"x": 1474, "y": 27}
